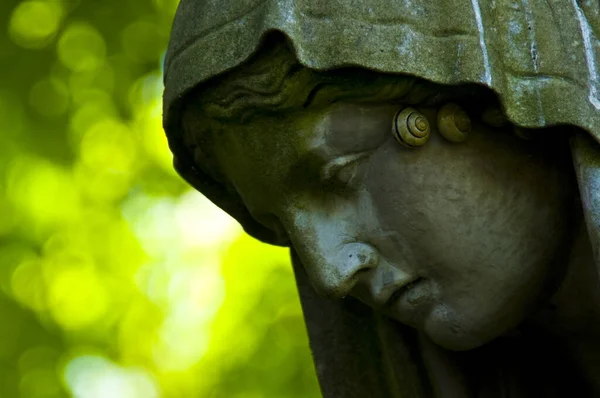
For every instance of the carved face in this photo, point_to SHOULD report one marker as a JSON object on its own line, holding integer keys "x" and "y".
{"x": 456, "y": 240}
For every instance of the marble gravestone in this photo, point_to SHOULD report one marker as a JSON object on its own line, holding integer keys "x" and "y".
{"x": 434, "y": 168}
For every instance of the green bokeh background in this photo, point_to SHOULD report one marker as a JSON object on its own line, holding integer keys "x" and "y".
{"x": 116, "y": 279}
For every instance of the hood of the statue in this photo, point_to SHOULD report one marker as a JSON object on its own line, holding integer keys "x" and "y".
{"x": 541, "y": 58}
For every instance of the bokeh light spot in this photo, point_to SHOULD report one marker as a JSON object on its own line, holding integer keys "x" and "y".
{"x": 81, "y": 48}
{"x": 96, "y": 377}
{"x": 108, "y": 145}
{"x": 203, "y": 224}
{"x": 195, "y": 296}
{"x": 93, "y": 106}
{"x": 83, "y": 83}
{"x": 27, "y": 284}
{"x": 49, "y": 97}
{"x": 154, "y": 140}
{"x": 11, "y": 256}
{"x": 38, "y": 367}
{"x": 140, "y": 41}
{"x": 76, "y": 297}
{"x": 33, "y": 24}
{"x": 108, "y": 160}
{"x": 40, "y": 383}
{"x": 42, "y": 191}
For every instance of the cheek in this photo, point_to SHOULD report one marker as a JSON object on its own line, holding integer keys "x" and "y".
{"x": 482, "y": 229}
{"x": 471, "y": 220}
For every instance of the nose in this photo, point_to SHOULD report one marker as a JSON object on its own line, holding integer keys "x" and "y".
{"x": 336, "y": 273}
{"x": 333, "y": 259}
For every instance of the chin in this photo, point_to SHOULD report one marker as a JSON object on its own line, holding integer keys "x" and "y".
{"x": 454, "y": 342}
{"x": 453, "y": 335}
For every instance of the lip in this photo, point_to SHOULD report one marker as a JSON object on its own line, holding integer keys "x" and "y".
{"x": 398, "y": 293}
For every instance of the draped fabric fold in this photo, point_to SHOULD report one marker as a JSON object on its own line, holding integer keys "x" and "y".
{"x": 541, "y": 57}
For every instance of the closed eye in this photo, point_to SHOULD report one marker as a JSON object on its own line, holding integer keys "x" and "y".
{"x": 338, "y": 168}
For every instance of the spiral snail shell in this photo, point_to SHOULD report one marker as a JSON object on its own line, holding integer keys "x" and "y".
{"x": 453, "y": 123}
{"x": 410, "y": 128}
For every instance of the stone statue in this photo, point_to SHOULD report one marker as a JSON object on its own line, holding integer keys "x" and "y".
{"x": 433, "y": 167}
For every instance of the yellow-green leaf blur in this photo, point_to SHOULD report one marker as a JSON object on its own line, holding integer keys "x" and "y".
{"x": 116, "y": 279}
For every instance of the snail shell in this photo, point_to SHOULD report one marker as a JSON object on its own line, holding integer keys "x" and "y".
{"x": 453, "y": 123}
{"x": 410, "y": 128}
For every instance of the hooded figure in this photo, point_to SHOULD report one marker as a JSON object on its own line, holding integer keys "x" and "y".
{"x": 538, "y": 60}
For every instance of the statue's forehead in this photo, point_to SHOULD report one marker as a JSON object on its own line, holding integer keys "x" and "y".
{"x": 285, "y": 150}
{"x": 323, "y": 131}
{"x": 270, "y": 144}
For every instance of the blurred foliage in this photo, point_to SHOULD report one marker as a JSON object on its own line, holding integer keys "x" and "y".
{"x": 116, "y": 280}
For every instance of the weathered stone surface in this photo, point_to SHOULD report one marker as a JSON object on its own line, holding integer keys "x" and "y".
{"x": 541, "y": 57}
